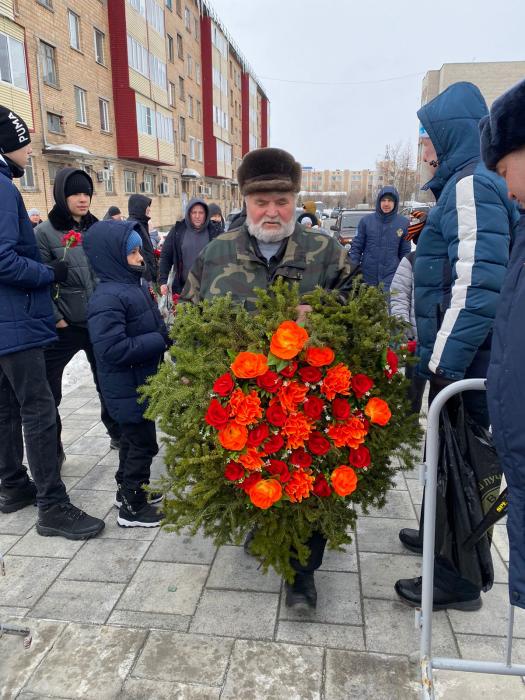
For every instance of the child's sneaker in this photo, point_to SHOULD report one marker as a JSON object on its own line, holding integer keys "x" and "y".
{"x": 153, "y": 497}
{"x": 145, "y": 515}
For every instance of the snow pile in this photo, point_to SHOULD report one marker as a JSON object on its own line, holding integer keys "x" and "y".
{"x": 77, "y": 372}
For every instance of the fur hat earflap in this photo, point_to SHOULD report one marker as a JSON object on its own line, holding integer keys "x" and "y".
{"x": 269, "y": 170}
{"x": 503, "y": 131}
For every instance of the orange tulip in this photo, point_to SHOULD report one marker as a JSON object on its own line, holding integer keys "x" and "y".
{"x": 288, "y": 340}
{"x": 378, "y": 411}
{"x": 233, "y": 436}
{"x": 318, "y": 357}
{"x": 265, "y": 493}
{"x": 344, "y": 480}
{"x": 249, "y": 364}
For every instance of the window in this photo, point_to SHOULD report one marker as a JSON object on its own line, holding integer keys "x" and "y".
{"x": 130, "y": 181}
{"x": 156, "y": 16}
{"x": 172, "y": 94}
{"x": 198, "y": 73}
{"x": 189, "y": 67}
{"x": 181, "y": 88}
{"x": 231, "y": 97}
{"x": 175, "y": 186}
{"x": 183, "y": 161}
{"x": 49, "y": 66}
{"x": 103, "y": 106}
{"x": 157, "y": 71}
{"x": 164, "y": 127}
{"x": 192, "y": 148}
{"x": 171, "y": 49}
{"x": 53, "y": 169}
{"x": 179, "y": 8}
{"x": 12, "y": 62}
{"x": 149, "y": 183}
{"x": 187, "y": 19}
{"x": 139, "y": 5}
{"x": 109, "y": 183}
{"x": 199, "y": 113}
{"x": 196, "y": 28}
{"x": 190, "y": 106}
{"x": 175, "y": 142}
{"x": 54, "y": 123}
{"x": 46, "y": 3}
{"x": 80, "y": 105}
{"x": 169, "y": 5}
{"x": 138, "y": 57}
{"x": 199, "y": 151}
{"x": 74, "y": 30}
{"x": 182, "y": 128}
{"x": 27, "y": 182}
{"x": 180, "y": 50}
{"x": 100, "y": 52}
{"x": 164, "y": 186}
{"x": 145, "y": 119}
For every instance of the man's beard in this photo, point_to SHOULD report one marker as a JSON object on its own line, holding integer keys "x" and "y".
{"x": 274, "y": 235}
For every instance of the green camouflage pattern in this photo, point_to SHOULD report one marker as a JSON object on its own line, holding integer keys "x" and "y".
{"x": 229, "y": 264}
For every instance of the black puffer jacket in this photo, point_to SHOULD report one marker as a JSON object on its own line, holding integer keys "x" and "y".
{"x": 137, "y": 205}
{"x": 70, "y": 298}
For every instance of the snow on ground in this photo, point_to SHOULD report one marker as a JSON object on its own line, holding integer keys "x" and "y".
{"x": 76, "y": 372}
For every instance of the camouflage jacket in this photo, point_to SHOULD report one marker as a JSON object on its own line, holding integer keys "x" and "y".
{"x": 230, "y": 264}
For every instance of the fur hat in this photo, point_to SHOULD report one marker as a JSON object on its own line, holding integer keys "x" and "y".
{"x": 269, "y": 170}
{"x": 503, "y": 131}
{"x": 310, "y": 207}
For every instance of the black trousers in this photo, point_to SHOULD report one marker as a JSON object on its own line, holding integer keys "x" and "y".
{"x": 316, "y": 543}
{"x": 26, "y": 400}
{"x": 71, "y": 340}
{"x": 138, "y": 446}
{"x": 416, "y": 389}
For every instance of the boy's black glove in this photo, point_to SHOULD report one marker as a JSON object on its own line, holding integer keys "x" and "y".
{"x": 60, "y": 270}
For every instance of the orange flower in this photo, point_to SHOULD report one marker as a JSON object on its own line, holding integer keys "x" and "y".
{"x": 378, "y": 411}
{"x": 245, "y": 408}
{"x": 336, "y": 381}
{"x": 249, "y": 364}
{"x": 318, "y": 357}
{"x": 265, "y": 493}
{"x": 299, "y": 486}
{"x": 233, "y": 436}
{"x": 344, "y": 480}
{"x": 351, "y": 433}
{"x": 297, "y": 429}
{"x": 251, "y": 460}
{"x": 292, "y": 395}
{"x": 288, "y": 340}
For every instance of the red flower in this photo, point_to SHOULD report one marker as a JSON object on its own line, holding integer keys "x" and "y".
{"x": 301, "y": 458}
{"x": 71, "y": 239}
{"x": 361, "y": 383}
{"x": 233, "y": 471}
{"x": 411, "y": 346}
{"x": 312, "y": 375}
{"x": 274, "y": 444}
{"x": 275, "y": 415}
{"x": 313, "y": 407}
{"x": 391, "y": 364}
{"x": 224, "y": 384}
{"x": 257, "y": 435}
{"x": 340, "y": 409}
{"x": 269, "y": 381}
{"x": 216, "y": 415}
{"x": 360, "y": 457}
{"x": 318, "y": 444}
{"x": 321, "y": 486}
{"x": 318, "y": 357}
{"x": 250, "y": 481}
{"x": 280, "y": 468}
{"x": 290, "y": 370}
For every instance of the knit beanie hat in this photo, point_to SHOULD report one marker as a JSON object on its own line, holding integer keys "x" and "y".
{"x": 77, "y": 183}
{"x": 134, "y": 241}
{"x": 14, "y": 132}
{"x": 33, "y": 212}
{"x": 503, "y": 131}
{"x": 307, "y": 220}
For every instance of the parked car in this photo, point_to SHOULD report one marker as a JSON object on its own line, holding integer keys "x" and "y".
{"x": 346, "y": 225}
{"x": 335, "y": 212}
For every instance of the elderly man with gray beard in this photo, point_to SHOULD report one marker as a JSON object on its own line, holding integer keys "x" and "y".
{"x": 270, "y": 245}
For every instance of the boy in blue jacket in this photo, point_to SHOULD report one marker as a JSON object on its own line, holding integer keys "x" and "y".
{"x": 129, "y": 339}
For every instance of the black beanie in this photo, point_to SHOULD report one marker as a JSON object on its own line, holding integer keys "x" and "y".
{"x": 78, "y": 182}
{"x": 14, "y": 132}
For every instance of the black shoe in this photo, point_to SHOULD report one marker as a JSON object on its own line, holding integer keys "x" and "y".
{"x": 145, "y": 515}
{"x": 17, "y": 498}
{"x": 66, "y": 520}
{"x": 153, "y": 497}
{"x": 409, "y": 591}
{"x": 247, "y": 546}
{"x": 301, "y": 593}
{"x": 411, "y": 539}
{"x": 114, "y": 444}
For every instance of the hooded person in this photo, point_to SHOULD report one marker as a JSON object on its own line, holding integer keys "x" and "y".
{"x": 139, "y": 210}
{"x": 184, "y": 243}
{"x": 69, "y": 219}
{"x": 380, "y": 242}
{"x": 27, "y": 327}
{"x": 113, "y": 213}
{"x": 129, "y": 339}
{"x": 216, "y": 218}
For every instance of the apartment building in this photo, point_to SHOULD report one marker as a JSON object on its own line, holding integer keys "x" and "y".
{"x": 353, "y": 186}
{"x": 118, "y": 88}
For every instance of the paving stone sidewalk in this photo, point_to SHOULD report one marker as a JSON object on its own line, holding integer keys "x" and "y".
{"x": 146, "y": 615}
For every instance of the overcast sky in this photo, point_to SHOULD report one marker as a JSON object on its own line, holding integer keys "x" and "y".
{"x": 316, "y": 44}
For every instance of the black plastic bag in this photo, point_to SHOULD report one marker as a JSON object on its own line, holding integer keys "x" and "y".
{"x": 468, "y": 481}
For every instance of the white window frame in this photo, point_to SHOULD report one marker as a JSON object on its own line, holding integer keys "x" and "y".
{"x": 13, "y": 65}
{"x": 82, "y": 104}
{"x": 73, "y": 21}
{"x": 49, "y": 58}
{"x": 28, "y": 180}
{"x": 103, "y": 109}
{"x": 149, "y": 183}
{"x": 100, "y": 58}
{"x": 130, "y": 181}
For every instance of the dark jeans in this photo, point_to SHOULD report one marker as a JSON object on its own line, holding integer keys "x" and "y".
{"x": 138, "y": 446}
{"x": 316, "y": 543}
{"x": 26, "y": 400}
{"x": 416, "y": 389}
{"x": 71, "y": 340}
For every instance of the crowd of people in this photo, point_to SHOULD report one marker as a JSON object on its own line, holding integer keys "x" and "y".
{"x": 72, "y": 283}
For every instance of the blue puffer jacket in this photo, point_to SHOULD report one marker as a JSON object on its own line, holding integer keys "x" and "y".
{"x": 462, "y": 252}
{"x": 505, "y": 392}
{"x": 26, "y": 314}
{"x": 380, "y": 243}
{"x": 125, "y": 327}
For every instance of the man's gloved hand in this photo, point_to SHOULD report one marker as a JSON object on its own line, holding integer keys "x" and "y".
{"x": 60, "y": 269}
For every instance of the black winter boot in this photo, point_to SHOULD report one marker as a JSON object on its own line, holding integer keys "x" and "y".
{"x": 13, "y": 499}
{"x": 302, "y": 592}
{"x": 409, "y": 591}
{"x": 66, "y": 520}
{"x": 411, "y": 539}
{"x": 135, "y": 511}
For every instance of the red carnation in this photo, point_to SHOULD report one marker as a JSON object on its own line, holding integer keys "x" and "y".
{"x": 321, "y": 486}
{"x": 224, "y": 384}
{"x": 233, "y": 471}
{"x": 269, "y": 381}
{"x": 257, "y": 435}
{"x": 312, "y": 375}
{"x": 360, "y": 457}
{"x": 361, "y": 383}
{"x": 340, "y": 409}
{"x": 280, "y": 468}
{"x": 391, "y": 364}
{"x": 274, "y": 444}
{"x": 318, "y": 444}
{"x": 275, "y": 415}
{"x": 250, "y": 481}
{"x": 412, "y": 346}
{"x": 290, "y": 370}
{"x": 313, "y": 407}
{"x": 301, "y": 458}
{"x": 216, "y": 415}
{"x": 71, "y": 239}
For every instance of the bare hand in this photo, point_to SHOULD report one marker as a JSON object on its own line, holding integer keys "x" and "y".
{"x": 302, "y": 311}
{"x": 163, "y": 289}
{"x": 62, "y": 323}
